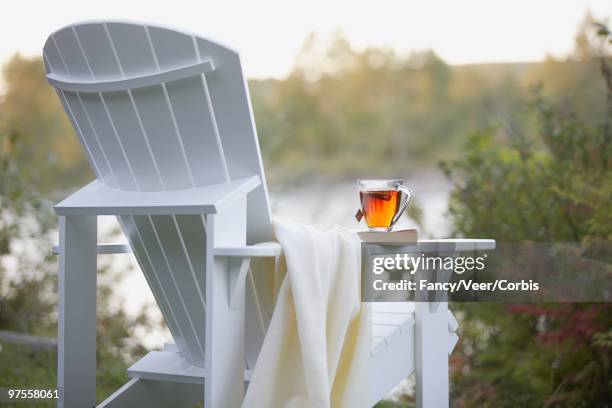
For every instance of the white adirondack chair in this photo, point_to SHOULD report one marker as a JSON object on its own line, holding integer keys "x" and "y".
{"x": 165, "y": 119}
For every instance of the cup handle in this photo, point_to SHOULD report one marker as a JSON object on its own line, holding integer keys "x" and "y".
{"x": 407, "y": 198}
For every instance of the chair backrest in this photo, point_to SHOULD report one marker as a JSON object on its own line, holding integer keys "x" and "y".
{"x": 157, "y": 110}
{"x": 191, "y": 126}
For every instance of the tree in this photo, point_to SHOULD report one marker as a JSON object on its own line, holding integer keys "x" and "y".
{"x": 555, "y": 185}
{"x": 50, "y": 155}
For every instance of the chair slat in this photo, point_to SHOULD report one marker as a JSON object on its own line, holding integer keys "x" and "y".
{"x": 234, "y": 118}
{"x": 131, "y": 47}
{"x": 180, "y": 264}
{"x": 98, "y": 51}
{"x": 70, "y": 52}
{"x": 190, "y": 321}
{"x": 198, "y": 131}
{"x": 144, "y": 261}
{"x": 130, "y": 132}
{"x": 193, "y": 231}
{"x": 159, "y": 130}
{"x": 53, "y": 60}
{"x": 171, "y": 49}
{"x": 102, "y": 121}
{"x": 100, "y": 172}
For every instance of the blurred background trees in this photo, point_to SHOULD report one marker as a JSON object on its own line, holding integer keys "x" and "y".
{"x": 526, "y": 145}
{"x": 340, "y": 112}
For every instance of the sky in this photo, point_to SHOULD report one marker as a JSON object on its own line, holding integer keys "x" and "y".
{"x": 269, "y": 33}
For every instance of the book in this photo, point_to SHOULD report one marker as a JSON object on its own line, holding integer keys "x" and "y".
{"x": 406, "y": 236}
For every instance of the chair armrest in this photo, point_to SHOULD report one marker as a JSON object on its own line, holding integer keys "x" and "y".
{"x": 96, "y": 198}
{"x": 262, "y": 250}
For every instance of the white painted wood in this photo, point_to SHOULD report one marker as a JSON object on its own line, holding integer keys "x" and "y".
{"x": 165, "y": 296}
{"x": 167, "y": 366}
{"x": 234, "y": 117}
{"x": 389, "y": 319}
{"x": 433, "y": 338}
{"x": 452, "y": 342}
{"x": 260, "y": 305}
{"x": 392, "y": 353}
{"x": 98, "y": 199}
{"x": 378, "y": 346}
{"x": 172, "y": 134}
{"x": 131, "y": 82}
{"x": 392, "y": 356}
{"x": 453, "y": 325}
{"x": 154, "y": 394}
{"x": 431, "y": 355}
{"x": 97, "y": 117}
{"x": 175, "y": 262}
{"x": 393, "y": 307}
{"x": 88, "y": 138}
{"x": 171, "y": 347}
{"x": 196, "y": 131}
{"x": 237, "y": 281}
{"x": 225, "y": 326}
{"x": 384, "y": 331}
{"x": 266, "y": 249}
{"x": 104, "y": 249}
{"x": 188, "y": 323}
{"x": 263, "y": 250}
{"x": 76, "y": 366}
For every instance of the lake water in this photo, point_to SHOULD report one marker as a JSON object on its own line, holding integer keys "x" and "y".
{"x": 324, "y": 205}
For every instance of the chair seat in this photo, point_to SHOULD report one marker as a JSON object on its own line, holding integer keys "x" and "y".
{"x": 392, "y": 347}
{"x": 392, "y": 354}
{"x": 390, "y": 320}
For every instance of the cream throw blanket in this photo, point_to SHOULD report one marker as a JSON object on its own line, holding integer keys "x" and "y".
{"x": 316, "y": 351}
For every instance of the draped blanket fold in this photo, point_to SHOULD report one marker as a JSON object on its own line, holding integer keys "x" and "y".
{"x": 316, "y": 351}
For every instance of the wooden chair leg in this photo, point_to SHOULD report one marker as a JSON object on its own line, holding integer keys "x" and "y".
{"x": 76, "y": 366}
{"x": 225, "y": 316}
{"x": 431, "y": 354}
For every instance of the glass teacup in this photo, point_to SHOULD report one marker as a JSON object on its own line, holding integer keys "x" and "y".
{"x": 382, "y": 203}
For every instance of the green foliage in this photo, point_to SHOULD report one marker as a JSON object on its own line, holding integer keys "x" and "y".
{"x": 557, "y": 187}
{"x": 391, "y": 404}
{"x": 20, "y": 366}
{"x": 553, "y": 185}
{"x": 18, "y": 203}
{"x": 30, "y": 109}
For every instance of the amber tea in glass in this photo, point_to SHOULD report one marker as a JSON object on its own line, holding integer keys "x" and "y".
{"x": 381, "y": 202}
